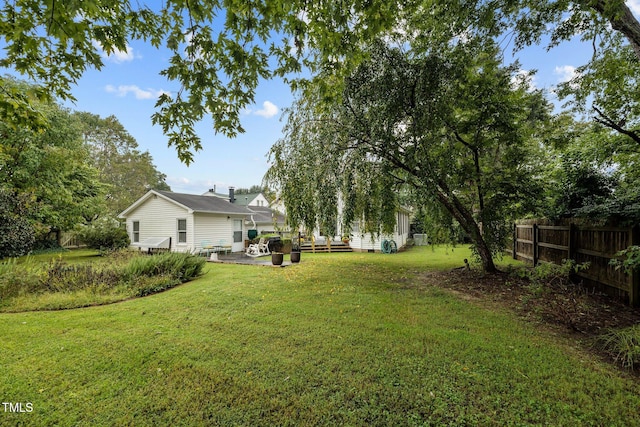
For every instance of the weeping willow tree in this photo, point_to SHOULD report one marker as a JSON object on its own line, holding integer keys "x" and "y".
{"x": 455, "y": 128}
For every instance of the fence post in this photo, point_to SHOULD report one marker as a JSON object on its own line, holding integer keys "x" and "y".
{"x": 634, "y": 286}
{"x": 515, "y": 239}
{"x": 571, "y": 250}
{"x": 534, "y": 231}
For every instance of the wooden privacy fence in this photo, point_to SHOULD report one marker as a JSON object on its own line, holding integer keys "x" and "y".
{"x": 596, "y": 245}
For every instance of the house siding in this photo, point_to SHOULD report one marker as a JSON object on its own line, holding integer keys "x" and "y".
{"x": 159, "y": 218}
{"x": 217, "y": 229}
{"x": 365, "y": 242}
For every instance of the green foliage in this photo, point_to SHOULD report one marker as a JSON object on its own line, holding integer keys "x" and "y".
{"x": 60, "y": 284}
{"x": 590, "y": 173}
{"x": 451, "y": 127}
{"x": 60, "y": 276}
{"x": 127, "y": 172}
{"x": 623, "y": 345}
{"x": 582, "y": 191}
{"x": 219, "y": 51}
{"x": 105, "y": 234}
{"x": 50, "y": 169}
{"x": 548, "y": 274}
{"x": 17, "y": 236}
{"x": 17, "y": 279}
{"x": 179, "y": 266}
{"x": 631, "y": 261}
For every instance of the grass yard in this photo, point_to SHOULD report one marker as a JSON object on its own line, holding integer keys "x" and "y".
{"x": 340, "y": 339}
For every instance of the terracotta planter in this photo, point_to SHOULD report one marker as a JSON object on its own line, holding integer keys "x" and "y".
{"x": 295, "y": 257}
{"x": 277, "y": 258}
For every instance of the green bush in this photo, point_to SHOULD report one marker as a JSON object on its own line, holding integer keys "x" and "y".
{"x": 623, "y": 345}
{"x": 548, "y": 274}
{"x": 18, "y": 279}
{"x": 126, "y": 273}
{"x": 104, "y": 236}
{"x": 179, "y": 266}
{"x": 16, "y": 233}
{"x": 631, "y": 259}
{"x": 62, "y": 277}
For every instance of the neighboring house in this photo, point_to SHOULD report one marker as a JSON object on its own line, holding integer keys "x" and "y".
{"x": 361, "y": 241}
{"x": 253, "y": 199}
{"x": 191, "y": 221}
{"x": 364, "y": 242}
{"x": 267, "y": 220}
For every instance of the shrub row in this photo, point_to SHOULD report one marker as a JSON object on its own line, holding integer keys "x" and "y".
{"x": 142, "y": 274}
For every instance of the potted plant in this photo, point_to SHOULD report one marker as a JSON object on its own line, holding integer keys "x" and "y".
{"x": 277, "y": 258}
{"x": 345, "y": 239}
{"x": 295, "y": 250}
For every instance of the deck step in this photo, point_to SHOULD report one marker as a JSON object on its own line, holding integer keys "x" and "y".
{"x": 335, "y": 247}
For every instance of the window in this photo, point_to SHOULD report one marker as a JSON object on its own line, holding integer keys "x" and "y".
{"x": 182, "y": 231}
{"x": 237, "y": 230}
{"x": 136, "y": 231}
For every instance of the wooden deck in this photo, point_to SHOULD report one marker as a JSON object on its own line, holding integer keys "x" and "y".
{"x": 324, "y": 248}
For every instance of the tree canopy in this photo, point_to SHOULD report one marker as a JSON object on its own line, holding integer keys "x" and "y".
{"x": 51, "y": 167}
{"x": 221, "y": 50}
{"x": 452, "y": 127}
{"x": 127, "y": 172}
{"x": 78, "y": 168}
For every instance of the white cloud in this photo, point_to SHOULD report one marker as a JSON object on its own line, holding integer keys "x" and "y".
{"x": 124, "y": 90}
{"x": 268, "y": 110}
{"x": 565, "y": 73}
{"x": 118, "y": 56}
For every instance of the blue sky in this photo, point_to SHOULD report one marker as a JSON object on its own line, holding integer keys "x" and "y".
{"x": 129, "y": 84}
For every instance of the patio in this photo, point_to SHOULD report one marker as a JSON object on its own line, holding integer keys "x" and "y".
{"x": 242, "y": 258}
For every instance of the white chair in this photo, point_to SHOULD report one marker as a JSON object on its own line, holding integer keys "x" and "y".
{"x": 253, "y": 250}
{"x": 263, "y": 246}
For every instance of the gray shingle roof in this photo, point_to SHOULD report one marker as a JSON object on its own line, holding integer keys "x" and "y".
{"x": 206, "y": 203}
{"x": 245, "y": 199}
{"x": 264, "y": 215}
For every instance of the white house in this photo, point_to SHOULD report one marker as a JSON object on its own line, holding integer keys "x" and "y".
{"x": 267, "y": 220}
{"x": 253, "y": 199}
{"x": 190, "y": 221}
{"x": 362, "y": 241}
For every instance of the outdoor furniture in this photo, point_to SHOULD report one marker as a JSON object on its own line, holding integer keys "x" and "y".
{"x": 208, "y": 248}
{"x": 253, "y": 250}
{"x": 223, "y": 247}
{"x": 154, "y": 244}
{"x": 205, "y": 248}
{"x": 263, "y": 246}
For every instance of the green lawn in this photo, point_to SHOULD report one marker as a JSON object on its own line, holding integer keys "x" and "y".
{"x": 340, "y": 339}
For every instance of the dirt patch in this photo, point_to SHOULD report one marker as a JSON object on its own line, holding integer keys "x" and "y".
{"x": 568, "y": 308}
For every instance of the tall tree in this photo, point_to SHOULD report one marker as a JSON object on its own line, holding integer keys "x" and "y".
{"x": 455, "y": 127}
{"x": 592, "y": 173}
{"x": 128, "y": 172}
{"x": 50, "y": 167}
{"x": 218, "y": 70}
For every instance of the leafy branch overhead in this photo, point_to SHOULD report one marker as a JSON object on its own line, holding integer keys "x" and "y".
{"x": 221, "y": 50}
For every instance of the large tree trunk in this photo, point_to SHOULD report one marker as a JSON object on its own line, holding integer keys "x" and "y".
{"x": 469, "y": 224}
{"x": 621, "y": 19}
{"x": 485, "y": 255}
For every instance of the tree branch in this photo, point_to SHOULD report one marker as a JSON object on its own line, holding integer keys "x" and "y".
{"x": 608, "y": 122}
